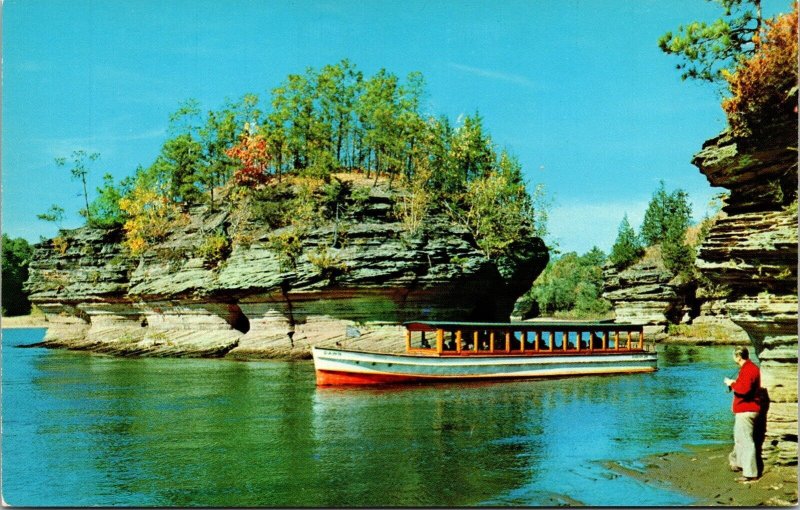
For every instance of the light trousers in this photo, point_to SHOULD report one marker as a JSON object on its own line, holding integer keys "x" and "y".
{"x": 744, "y": 447}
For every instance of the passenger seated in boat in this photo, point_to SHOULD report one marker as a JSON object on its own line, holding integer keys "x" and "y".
{"x": 450, "y": 345}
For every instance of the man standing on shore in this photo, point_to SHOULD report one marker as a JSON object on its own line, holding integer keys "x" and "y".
{"x": 746, "y": 407}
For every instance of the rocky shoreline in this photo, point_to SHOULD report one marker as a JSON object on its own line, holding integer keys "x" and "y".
{"x": 71, "y": 333}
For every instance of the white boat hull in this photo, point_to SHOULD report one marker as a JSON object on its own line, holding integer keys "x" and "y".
{"x": 338, "y": 366}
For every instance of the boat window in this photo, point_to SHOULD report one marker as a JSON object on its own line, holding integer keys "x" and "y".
{"x": 423, "y": 341}
{"x": 483, "y": 341}
{"x": 449, "y": 341}
{"x": 515, "y": 340}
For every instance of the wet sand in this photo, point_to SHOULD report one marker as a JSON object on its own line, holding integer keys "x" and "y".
{"x": 702, "y": 472}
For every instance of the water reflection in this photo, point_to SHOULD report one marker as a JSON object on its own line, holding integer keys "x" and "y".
{"x": 427, "y": 445}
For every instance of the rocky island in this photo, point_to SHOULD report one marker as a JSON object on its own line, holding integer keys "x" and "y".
{"x": 353, "y": 279}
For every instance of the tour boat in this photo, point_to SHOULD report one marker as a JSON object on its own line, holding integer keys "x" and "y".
{"x": 446, "y": 351}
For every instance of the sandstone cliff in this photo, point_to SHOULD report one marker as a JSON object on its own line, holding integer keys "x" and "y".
{"x": 353, "y": 280}
{"x": 646, "y": 292}
{"x": 753, "y": 254}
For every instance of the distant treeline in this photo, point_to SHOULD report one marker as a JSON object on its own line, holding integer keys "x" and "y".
{"x": 17, "y": 254}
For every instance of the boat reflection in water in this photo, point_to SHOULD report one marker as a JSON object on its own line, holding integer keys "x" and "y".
{"x": 441, "y": 351}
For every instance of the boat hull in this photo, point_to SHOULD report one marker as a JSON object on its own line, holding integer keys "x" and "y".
{"x": 342, "y": 367}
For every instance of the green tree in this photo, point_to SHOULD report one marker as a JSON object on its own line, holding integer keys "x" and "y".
{"x": 338, "y": 88}
{"x": 708, "y": 49}
{"x": 294, "y": 114}
{"x": 570, "y": 285}
{"x": 17, "y": 255}
{"x": 627, "y": 248}
{"x": 678, "y": 257}
{"x": 472, "y": 149}
{"x": 411, "y": 123}
{"x": 80, "y": 171}
{"x": 444, "y": 177}
{"x": 498, "y": 209}
{"x": 180, "y": 160}
{"x": 654, "y": 226}
{"x": 218, "y": 135}
{"x": 186, "y": 119}
{"x": 104, "y": 209}
{"x": 664, "y": 210}
{"x": 54, "y": 214}
{"x": 379, "y": 112}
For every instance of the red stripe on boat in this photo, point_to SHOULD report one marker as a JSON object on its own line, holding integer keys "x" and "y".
{"x": 331, "y": 378}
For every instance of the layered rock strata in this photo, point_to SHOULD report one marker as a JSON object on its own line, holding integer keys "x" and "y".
{"x": 647, "y": 293}
{"x": 350, "y": 281}
{"x": 753, "y": 254}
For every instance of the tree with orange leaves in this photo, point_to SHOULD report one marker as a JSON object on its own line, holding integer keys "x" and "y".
{"x": 252, "y": 153}
{"x": 764, "y": 87}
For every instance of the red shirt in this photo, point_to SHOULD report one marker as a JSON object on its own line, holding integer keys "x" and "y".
{"x": 745, "y": 389}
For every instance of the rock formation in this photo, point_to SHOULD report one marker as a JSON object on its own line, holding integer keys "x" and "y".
{"x": 646, "y": 292}
{"x": 353, "y": 280}
{"x": 753, "y": 254}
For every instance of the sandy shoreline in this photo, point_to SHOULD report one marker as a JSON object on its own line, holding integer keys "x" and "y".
{"x": 702, "y": 473}
{"x": 24, "y": 321}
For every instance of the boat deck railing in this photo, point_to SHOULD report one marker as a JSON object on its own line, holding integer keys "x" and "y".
{"x": 524, "y": 339}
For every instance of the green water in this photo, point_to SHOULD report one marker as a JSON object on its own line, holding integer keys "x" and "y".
{"x": 81, "y": 429}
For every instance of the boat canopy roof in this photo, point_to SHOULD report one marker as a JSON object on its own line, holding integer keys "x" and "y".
{"x": 524, "y": 326}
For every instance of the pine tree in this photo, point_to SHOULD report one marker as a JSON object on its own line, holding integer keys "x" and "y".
{"x": 663, "y": 210}
{"x": 627, "y": 248}
{"x": 707, "y": 50}
{"x": 654, "y": 226}
{"x": 677, "y": 256}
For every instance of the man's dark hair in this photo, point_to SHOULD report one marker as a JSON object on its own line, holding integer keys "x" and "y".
{"x": 742, "y": 352}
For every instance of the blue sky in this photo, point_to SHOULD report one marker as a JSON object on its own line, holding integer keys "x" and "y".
{"x": 578, "y": 90}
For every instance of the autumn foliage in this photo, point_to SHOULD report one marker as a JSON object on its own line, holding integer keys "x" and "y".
{"x": 151, "y": 217}
{"x": 252, "y": 152}
{"x": 764, "y": 87}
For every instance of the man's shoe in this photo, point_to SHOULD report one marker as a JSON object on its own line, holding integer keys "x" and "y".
{"x": 747, "y": 479}
{"x": 735, "y": 469}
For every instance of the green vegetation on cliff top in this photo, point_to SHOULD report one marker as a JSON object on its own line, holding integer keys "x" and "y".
{"x": 288, "y": 160}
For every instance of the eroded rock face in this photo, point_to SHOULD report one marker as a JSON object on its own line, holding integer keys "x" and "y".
{"x": 354, "y": 280}
{"x": 753, "y": 253}
{"x": 646, "y": 293}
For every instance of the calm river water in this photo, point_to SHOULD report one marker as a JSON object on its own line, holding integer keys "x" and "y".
{"x": 81, "y": 429}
